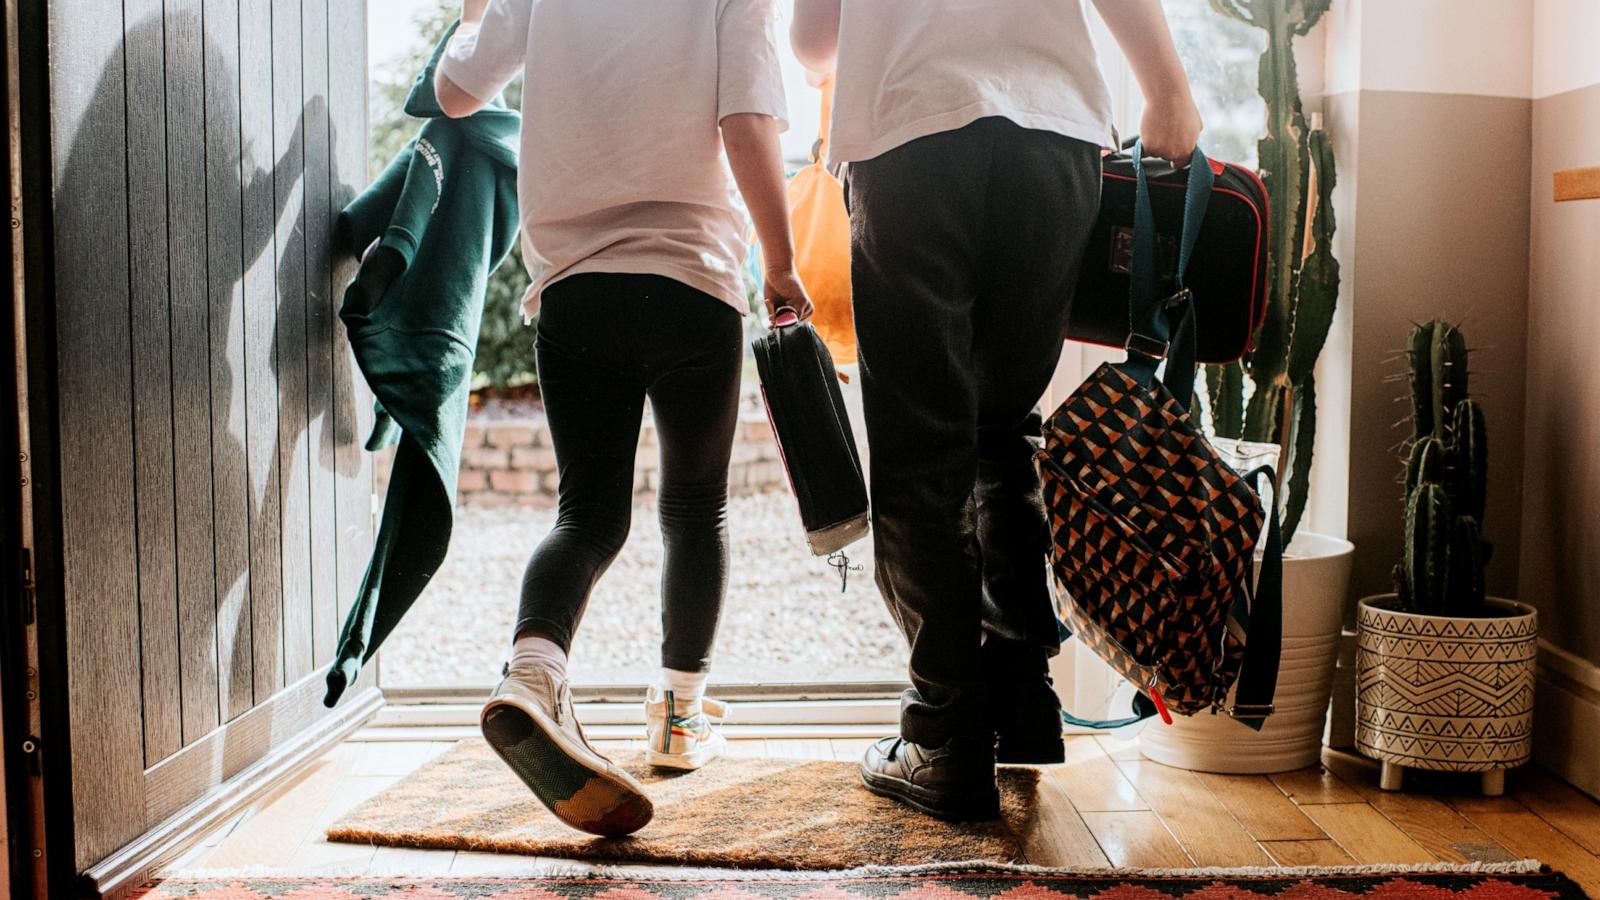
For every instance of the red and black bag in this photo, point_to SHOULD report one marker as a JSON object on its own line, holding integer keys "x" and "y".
{"x": 1227, "y": 274}
{"x": 800, "y": 388}
{"x": 1153, "y": 534}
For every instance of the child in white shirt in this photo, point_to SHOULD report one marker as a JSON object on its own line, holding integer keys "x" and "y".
{"x": 635, "y": 242}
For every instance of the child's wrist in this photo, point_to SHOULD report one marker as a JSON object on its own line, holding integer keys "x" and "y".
{"x": 780, "y": 262}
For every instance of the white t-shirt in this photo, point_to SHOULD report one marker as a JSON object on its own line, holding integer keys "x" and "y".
{"x": 911, "y": 68}
{"x": 622, "y": 168}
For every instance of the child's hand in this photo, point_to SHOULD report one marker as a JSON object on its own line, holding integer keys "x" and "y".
{"x": 783, "y": 288}
{"x": 1171, "y": 128}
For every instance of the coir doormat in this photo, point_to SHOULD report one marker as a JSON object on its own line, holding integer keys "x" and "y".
{"x": 738, "y": 812}
{"x": 1515, "y": 881}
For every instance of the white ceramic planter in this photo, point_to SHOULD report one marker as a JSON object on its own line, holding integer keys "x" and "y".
{"x": 1445, "y": 693}
{"x": 1316, "y": 579}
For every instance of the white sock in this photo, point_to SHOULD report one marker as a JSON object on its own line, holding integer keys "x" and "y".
{"x": 541, "y": 652}
{"x": 686, "y": 687}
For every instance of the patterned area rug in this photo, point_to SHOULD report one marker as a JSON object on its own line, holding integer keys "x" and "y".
{"x": 737, "y": 812}
{"x": 1501, "y": 882}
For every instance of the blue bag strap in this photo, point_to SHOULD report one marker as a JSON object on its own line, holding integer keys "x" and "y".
{"x": 1262, "y": 623}
{"x": 1143, "y": 707}
{"x": 1150, "y": 308}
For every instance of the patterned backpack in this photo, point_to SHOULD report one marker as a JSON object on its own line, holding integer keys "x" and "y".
{"x": 1153, "y": 534}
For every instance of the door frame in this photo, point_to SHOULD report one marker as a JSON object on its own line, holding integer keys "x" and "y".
{"x": 34, "y": 727}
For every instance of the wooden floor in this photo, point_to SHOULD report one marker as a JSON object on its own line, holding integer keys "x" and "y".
{"x": 1106, "y": 806}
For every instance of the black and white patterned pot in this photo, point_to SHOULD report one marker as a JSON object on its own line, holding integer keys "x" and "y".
{"x": 1437, "y": 692}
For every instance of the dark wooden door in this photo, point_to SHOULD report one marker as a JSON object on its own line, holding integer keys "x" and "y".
{"x": 213, "y": 505}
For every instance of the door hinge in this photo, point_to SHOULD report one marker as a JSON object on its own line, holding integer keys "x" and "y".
{"x": 28, "y": 593}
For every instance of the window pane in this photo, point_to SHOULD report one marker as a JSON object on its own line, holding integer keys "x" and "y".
{"x": 1222, "y": 57}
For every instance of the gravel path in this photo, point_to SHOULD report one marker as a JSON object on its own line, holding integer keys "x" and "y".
{"x": 785, "y": 618}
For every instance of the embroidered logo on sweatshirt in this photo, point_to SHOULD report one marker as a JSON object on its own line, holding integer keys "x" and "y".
{"x": 431, "y": 157}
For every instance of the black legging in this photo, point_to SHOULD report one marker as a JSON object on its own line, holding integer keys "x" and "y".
{"x": 605, "y": 343}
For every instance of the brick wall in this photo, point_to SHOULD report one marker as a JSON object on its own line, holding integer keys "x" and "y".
{"x": 508, "y": 462}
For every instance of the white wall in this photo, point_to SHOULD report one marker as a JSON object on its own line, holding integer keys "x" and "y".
{"x": 1566, "y": 46}
{"x": 1478, "y": 47}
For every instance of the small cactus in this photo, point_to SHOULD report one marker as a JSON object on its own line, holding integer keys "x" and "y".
{"x": 1446, "y": 480}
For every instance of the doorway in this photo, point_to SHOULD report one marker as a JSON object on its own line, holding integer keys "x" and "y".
{"x": 793, "y": 624}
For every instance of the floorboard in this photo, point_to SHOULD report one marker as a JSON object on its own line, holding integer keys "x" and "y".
{"x": 1567, "y": 809}
{"x": 1264, "y": 811}
{"x": 1325, "y": 852}
{"x": 1059, "y": 836}
{"x": 1527, "y": 835}
{"x": 1136, "y": 838}
{"x": 1092, "y": 781}
{"x": 1201, "y": 823}
{"x": 1315, "y": 785}
{"x": 1366, "y": 835}
{"x": 1104, "y": 806}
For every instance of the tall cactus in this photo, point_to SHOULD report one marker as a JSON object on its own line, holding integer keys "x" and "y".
{"x": 1303, "y": 276}
{"x": 1446, "y": 479}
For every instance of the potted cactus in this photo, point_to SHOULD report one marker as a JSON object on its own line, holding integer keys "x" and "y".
{"x": 1268, "y": 405}
{"x": 1444, "y": 673}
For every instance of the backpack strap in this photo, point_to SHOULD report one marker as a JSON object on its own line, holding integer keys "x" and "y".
{"x": 1262, "y": 619}
{"x": 1143, "y": 707}
{"x": 1151, "y": 336}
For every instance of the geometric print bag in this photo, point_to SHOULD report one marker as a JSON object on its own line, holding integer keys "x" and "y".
{"x": 1153, "y": 534}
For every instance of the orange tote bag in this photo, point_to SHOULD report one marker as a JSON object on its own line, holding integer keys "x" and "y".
{"x": 821, "y": 228}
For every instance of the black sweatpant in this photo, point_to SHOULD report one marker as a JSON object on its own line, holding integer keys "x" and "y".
{"x": 965, "y": 250}
{"x": 605, "y": 343}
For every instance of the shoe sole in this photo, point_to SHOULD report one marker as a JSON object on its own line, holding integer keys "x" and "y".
{"x": 579, "y": 791}
{"x": 688, "y": 762}
{"x": 957, "y": 808}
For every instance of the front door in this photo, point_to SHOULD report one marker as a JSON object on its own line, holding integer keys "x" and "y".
{"x": 204, "y": 505}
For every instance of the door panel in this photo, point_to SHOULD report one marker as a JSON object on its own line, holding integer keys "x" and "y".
{"x": 191, "y": 367}
{"x": 96, "y": 433}
{"x": 352, "y": 414}
{"x": 224, "y": 256}
{"x": 215, "y": 502}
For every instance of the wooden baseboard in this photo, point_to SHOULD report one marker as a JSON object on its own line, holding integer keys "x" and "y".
{"x": 135, "y": 864}
{"x": 1566, "y": 718}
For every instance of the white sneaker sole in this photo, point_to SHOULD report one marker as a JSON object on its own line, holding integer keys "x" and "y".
{"x": 695, "y": 759}
{"x": 580, "y": 787}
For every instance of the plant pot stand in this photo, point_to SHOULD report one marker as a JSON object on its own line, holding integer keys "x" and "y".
{"x": 1493, "y": 781}
{"x": 1445, "y": 693}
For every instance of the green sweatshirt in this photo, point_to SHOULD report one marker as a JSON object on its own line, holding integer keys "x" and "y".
{"x": 444, "y": 214}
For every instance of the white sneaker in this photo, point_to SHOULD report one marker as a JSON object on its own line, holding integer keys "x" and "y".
{"x": 679, "y": 733}
{"x": 531, "y": 724}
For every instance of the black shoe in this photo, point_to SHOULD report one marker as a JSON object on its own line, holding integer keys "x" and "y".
{"x": 954, "y": 782}
{"x": 1025, "y": 712}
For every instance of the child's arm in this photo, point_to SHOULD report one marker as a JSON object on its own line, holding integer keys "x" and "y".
{"x": 1171, "y": 124}
{"x": 753, "y": 154}
{"x": 815, "y": 34}
{"x": 493, "y": 58}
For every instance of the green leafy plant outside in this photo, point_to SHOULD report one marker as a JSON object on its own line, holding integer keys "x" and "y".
{"x": 1271, "y": 396}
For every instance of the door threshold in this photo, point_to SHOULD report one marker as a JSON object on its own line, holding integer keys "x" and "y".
{"x": 453, "y": 733}
{"x": 624, "y": 720}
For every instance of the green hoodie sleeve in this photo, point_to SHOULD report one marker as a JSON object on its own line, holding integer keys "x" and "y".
{"x": 367, "y": 217}
{"x": 419, "y": 197}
